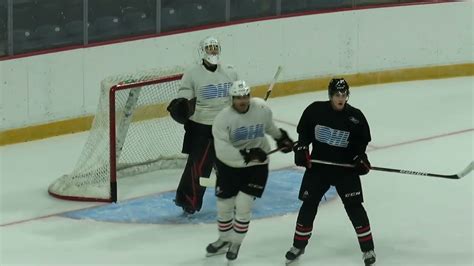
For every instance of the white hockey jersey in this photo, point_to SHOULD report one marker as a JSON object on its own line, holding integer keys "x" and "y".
{"x": 234, "y": 131}
{"x": 211, "y": 90}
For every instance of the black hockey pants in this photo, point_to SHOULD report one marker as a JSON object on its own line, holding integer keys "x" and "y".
{"x": 352, "y": 203}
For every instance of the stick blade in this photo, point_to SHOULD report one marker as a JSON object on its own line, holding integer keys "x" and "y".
{"x": 207, "y": 182}
{"x": 466, "y": 171}
{"x": 275, "y": 77}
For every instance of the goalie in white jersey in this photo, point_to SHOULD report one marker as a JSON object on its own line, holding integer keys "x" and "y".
{"x": 242, "y": 164}
{"x": 203, "y": 93}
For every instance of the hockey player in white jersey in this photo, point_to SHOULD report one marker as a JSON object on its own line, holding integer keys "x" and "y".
{"x": 203, "y": 93}
{"x": 242, "y": 164}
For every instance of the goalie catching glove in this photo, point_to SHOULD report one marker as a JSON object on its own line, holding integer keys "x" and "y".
{"x": 253, "y": 154}
{"x": 284, "y": 143}
{"x": 362, "y": 164}
{"x": 180, "y": 110}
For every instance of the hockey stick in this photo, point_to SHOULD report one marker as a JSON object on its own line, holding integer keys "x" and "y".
{"x": 211, "y": 182}
{"x": 459, "y": 175}
{"x": 270, "y": 88}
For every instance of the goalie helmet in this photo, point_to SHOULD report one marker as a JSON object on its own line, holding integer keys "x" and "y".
{"x": 210, "y": 50}
{"x": 338, "y": 85}
{"x": 239, "y": 88}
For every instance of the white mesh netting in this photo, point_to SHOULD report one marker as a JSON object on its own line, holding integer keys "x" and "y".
{"x": 149, "y": 139}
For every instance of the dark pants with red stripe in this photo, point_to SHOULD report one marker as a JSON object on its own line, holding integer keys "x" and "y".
{"x": 198, "y": 144}
{"x": 316, "y": 182}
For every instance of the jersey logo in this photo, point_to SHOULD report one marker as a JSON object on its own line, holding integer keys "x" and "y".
{"x": 330, "y": 136}
{"x": 249, "y": 132}
{"x": 352, "y": 194}
{"x": 354, "y": 120}
{"x": 213, "y": 91}
{"x": 305, "y": 194}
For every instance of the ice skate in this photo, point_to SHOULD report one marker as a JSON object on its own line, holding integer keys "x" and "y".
{"x": 293, "y": 254}
{"x": 369, "y": 258}
{"x": 216, "y": 248}
{"x": 233, "y": 252}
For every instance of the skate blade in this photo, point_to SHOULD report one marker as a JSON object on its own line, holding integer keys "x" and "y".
{"x": 220, "y": 252}
{"x": 291, "y": 262}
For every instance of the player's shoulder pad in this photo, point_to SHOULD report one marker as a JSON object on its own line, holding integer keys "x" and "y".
{"x": 317, "y": 105}
{"x": 223, "y": 114}
{"x": 226, "y": 109}
{"x": 194, "y": 66}
{"x": 257, "y": 101}
{"x": 191, "y": 69}
{"x": 228, "y": 67}
{"x": 352, "y": 110}
{"x": 355, "y": 115}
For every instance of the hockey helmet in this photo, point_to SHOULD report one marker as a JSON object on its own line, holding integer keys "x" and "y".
{"x": 239, "y": 88}
{"x": 210, "y": 50}
{"x": 338, "y": 85}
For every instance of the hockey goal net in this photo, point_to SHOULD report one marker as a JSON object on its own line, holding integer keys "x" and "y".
{"x": 132, "y": 133}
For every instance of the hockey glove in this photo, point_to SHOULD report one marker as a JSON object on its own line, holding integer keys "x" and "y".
{"x": 253, "y": 154}
{"x": 302, "y": 157}
{"x": 362, "y": 164}
{"x": 284, "y": 143}
{"x": 179, "y": 110}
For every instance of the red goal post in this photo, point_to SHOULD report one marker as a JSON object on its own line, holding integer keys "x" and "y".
{"x": 132, "y": 133}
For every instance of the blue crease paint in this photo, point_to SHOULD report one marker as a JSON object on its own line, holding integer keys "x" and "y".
{"x": 280, "y": 198}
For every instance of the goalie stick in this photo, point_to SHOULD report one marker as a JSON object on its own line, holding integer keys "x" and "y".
{"x": 459, "y": 175}
{"x": 211, "y": 181}
{"x": 275, "y": 78}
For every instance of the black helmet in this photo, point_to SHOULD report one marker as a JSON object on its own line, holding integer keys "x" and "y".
{"x": 338, "y": 85}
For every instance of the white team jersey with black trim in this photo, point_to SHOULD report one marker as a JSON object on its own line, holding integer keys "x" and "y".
{"x": 211, "y": 90}
{"x": 234, "y": 131}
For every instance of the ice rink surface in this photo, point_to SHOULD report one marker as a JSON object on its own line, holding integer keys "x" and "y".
{"x": 422, "y": 126}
